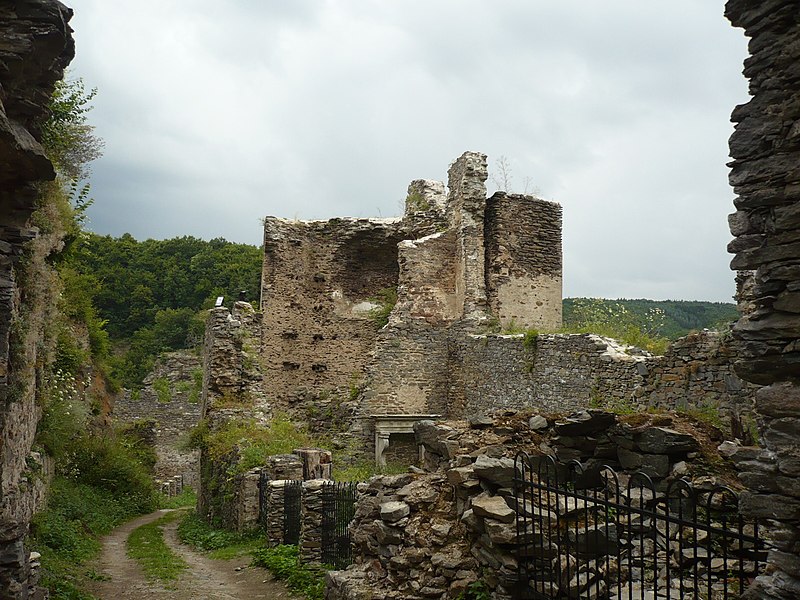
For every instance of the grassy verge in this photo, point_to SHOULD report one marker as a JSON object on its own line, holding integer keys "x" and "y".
{"x": 146, "y": 544}
{"x": 218, "y": 543}
{"x": 284, "y": 563}
{"x": 66, "y": 534}
{"x": 186, "y": 499}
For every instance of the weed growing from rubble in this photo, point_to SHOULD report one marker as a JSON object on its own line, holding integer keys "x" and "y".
{"x": 284, "y": 562}
{"x": 386, "y": 299}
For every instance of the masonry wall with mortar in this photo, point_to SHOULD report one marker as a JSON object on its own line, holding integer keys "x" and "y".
{"x": 568, "y": 372}
{"x": 320, "y": 282}
{"x": 523, "y": 261}
{"x": 321, "y": 279}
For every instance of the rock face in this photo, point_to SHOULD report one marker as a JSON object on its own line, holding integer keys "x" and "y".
{"x": 765, "y": 176}
{"x": 36, "y": 47}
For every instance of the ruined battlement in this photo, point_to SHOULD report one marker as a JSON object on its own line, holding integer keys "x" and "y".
{"x": 456, "y": 259}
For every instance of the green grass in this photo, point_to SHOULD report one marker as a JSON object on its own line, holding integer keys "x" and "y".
{"x": 284, "y": 563}
{"x": 186, "y": 499}
{"x": 362, "y": 470}
{"x": 146, "y": 544}
{"x": 66, "y": 533}
{"x": 219, "y": 543}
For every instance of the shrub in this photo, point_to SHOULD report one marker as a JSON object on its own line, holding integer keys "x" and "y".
{"x": 386, "y": 299}
{"x": 284, "y": 562}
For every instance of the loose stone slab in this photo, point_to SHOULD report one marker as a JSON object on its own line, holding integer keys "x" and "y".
{"x": 394, "y": 511}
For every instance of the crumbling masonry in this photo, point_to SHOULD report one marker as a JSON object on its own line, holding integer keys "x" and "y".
{"x": 457, "y": 261}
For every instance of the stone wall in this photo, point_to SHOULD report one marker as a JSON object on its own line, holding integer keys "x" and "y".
{"x": 232, "y": 391}
{"x": 558, "y": 372}
{"x": 450, "y": 252}
{"x": 37, "y": 46}
{"x": 321, "y": 280}
{"x": 172, "y": 419}
{"x": 765, "y": 147}
{"x": 430, "y": 535}
{"x": 552, "y": 372}
{"x": 523, "y": 261}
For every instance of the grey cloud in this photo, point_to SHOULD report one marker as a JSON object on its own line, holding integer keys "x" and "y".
{"x": 218, "y": 115}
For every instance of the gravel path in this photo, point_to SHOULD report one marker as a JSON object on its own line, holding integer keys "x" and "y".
{"x": 205, "y": 579}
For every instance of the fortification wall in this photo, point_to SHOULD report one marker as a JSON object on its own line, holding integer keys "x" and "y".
{"x": 764, "y": 174}
{"x": 550, "y": 373}
{"x": 556, "y": 372}
{"x": 321, "y": 282}
{"x": 36, "y": 47}
{"x": 523, "y": 261}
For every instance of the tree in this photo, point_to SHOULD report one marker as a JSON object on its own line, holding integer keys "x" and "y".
{"x": 66, "y": 136}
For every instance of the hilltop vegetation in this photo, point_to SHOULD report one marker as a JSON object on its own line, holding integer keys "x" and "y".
{"x": 669, "y": 319}
{"x": 151, "y": 295}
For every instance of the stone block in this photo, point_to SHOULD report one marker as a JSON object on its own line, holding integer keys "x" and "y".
{"x": 661, "y": 440}
{"x": 492, "y": 507}
{"x": 394, "y": 511}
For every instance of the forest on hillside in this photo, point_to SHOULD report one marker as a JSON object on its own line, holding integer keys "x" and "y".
{"x": 670, "y": 319}
{"x": 148, "y": 297}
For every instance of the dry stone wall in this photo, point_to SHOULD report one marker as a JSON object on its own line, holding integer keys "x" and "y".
{"x": 431, "y": 534}
{"x": 765, "y": 147}
{"x": 36, "y": 47}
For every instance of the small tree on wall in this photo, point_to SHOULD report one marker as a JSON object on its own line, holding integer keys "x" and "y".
{"x": 502, "y": 177}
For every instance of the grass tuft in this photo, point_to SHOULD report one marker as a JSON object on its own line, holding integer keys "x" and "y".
{"x": 146, "y": 544}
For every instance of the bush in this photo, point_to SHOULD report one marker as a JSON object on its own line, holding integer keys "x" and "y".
{"x": 284, "y": 563}
{"x": 105, "y": 463}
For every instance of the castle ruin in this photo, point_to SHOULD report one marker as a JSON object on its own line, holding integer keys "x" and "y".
{"x": 456, "y": 262}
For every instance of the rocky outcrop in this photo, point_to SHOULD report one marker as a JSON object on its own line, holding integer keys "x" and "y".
{"x": 765, "y": 176}
{"x": 36, "y": 47}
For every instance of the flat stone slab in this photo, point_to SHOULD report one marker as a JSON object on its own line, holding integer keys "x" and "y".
{"x": 394, "y": 511}
{"x": 492, "y": 507}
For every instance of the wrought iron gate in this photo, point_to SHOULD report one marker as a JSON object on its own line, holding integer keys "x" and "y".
{"x": 598, "y": 534}
{"x": 338, "y": 510}
{"x": 292, "y": 498}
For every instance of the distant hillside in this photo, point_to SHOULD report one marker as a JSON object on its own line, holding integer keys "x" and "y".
{"x": 680, "y": 316}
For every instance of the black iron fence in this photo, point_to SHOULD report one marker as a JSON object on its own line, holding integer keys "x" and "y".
{"x": 338, "y": 510}
{"x": 292, "y": 499}
{"x": 599, "y": 534}
{"x": 263, "y": 496}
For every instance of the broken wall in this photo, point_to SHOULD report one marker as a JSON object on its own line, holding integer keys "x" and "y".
{"x": 523, "y": 261}
{"x": 320, "y": 284}
{"x": 765, "y": 147}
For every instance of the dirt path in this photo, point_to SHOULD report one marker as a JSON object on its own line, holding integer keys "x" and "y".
{"x": 205, "y": 579}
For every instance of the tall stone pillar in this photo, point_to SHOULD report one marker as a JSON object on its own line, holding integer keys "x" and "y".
{"x": 765, "y": 174}
{"x": 466, "y": 210}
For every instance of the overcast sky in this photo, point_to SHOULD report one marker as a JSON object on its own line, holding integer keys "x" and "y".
{"x": 216, "y": 114}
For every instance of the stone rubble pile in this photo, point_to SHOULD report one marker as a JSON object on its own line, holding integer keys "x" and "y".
{"x": 432, "y": 534}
